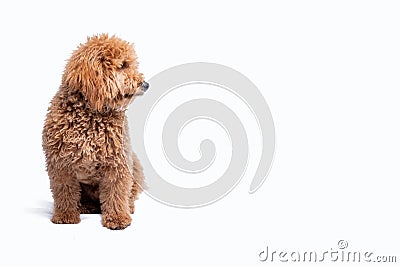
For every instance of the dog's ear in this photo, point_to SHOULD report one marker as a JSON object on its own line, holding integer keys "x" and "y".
{"x": 92, "y": 76}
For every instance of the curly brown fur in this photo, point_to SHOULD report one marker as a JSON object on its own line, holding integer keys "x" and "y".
{"x": 85, "y": 138}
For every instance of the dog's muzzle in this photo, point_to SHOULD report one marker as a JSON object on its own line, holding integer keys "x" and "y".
{"x": 145, "y": 86}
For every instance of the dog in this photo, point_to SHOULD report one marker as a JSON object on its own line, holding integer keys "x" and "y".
{"x": 89, "y": 159}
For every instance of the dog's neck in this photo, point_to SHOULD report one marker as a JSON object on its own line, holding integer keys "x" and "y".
{"x": 74, "y": 100}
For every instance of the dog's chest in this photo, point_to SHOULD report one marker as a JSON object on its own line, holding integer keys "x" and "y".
{"x": 88, "y": 174}
{"x": 94, "y": 139}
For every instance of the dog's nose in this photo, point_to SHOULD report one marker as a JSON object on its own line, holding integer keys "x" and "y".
{"x": 145, "y": 86}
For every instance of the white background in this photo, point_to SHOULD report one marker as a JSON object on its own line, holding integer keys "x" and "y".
{"x": 329, "y": 71}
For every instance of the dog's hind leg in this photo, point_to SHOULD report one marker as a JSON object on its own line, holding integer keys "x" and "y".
{"x": 138, "y": 182}
{"x": 89, "y": 202}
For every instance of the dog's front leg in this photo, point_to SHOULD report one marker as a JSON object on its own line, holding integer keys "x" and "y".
{"x": 114, "y": 197}
{"x": 66, "y": 194}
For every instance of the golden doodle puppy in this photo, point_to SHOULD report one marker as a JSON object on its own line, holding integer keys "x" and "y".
{"x": 90, "y": 163}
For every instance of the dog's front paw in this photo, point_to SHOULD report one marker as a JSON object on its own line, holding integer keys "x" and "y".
{"x": 66, "y": 217}
{"x": 116, "y": 221}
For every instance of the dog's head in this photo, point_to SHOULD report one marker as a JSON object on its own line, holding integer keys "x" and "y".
{"x": 105, "y": 71}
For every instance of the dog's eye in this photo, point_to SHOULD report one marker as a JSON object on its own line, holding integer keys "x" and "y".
{"x": 124, "y": 65}
{"x": 128, "y": 95}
